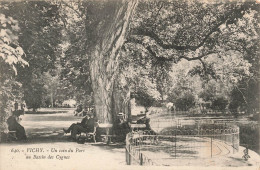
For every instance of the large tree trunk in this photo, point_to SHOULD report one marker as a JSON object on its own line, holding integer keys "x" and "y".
{"x": 121, "y": 101}
{"x": 106, "y": 25}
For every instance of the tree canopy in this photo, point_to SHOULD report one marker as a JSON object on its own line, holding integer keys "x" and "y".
{"x": 158, "y": 51}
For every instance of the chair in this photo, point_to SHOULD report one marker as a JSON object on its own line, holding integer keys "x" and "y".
{"x": 12, "y": 135}
{"x": 93, "y": 134}
{"x": 90, "y": 134}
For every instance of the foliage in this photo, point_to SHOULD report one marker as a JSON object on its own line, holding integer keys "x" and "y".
{"x": 75, "y": 73}
{"x": 236, "y": 101}
{"x": 34, "y": 96}
{"x": 144, "y": 99}
{"x": 10, "y": 57}
{"x": 138, "y": 74}
{"x": 209, "y": 91}
{"x": 185, "y": 102}
{"x": 38, "y": 25}
{"x": 219, "y": 103}
{"x": 176, "y": 51}
{"x": 220, "y": 36}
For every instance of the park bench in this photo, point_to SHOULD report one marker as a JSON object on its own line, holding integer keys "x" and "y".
{"x": 137, "y": 126}
{"x": 107, "y": 136}
{"x": 89, "y": 135}
{"x": 10, "y": 135}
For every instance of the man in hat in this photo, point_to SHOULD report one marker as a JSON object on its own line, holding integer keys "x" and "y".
{"x": 82, "y": 123}
{"x": 88, "y": 126}
{"x": 121, "y": 127}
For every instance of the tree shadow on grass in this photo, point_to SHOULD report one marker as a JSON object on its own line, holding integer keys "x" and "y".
{"x": 47, "y": 137}
{"x": 46, "y": 112}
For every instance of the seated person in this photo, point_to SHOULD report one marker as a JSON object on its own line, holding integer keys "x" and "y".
{"x": 78, "y": 110}
{"x": 145, "y": 120}
{"x": 121, "y": 127}
{"x": 13, "y": 125}
{"x": 85, "y": 126}
{"x": 82, "y": 123}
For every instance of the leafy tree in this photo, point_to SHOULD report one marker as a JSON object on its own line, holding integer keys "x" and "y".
{"x": 185, "y": 102}
{"x": 217, "y": 35}
{"x": 96, "y": 60}
{"x": 38, "y": 26}
{"x": 219, "y": 103}
{"x": 10, "y": 57}
{"x": 161, "y": 32}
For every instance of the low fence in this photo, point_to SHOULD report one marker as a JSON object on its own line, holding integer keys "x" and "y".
{"x": 196, "y": 111}
{"x": 145, "y": 148}
{"x": 162, "y": 123}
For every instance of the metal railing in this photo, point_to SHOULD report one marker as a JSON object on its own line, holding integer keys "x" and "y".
{"x": 145, "y": 148}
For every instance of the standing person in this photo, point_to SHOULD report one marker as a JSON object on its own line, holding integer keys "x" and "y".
{"x": 13, "y": 125}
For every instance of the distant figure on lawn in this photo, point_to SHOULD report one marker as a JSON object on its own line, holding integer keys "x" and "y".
{"x": 15, "y": 106}
{"x": 13, "y": 125}
{"x": 78, "y": 110}
{"x": 86, "y": 125}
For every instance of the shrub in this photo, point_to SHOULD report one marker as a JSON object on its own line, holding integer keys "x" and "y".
{"x": 219, "y": 103}
{"x": 186, "y": 102}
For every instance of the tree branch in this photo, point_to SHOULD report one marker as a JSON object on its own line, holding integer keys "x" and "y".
{"x": 197, "y": 58}
{"x": 229, "y": 16}
{"x": 149, "y": 49}
{"x": 204, "y": 65}
{"x": 77, "y": 12}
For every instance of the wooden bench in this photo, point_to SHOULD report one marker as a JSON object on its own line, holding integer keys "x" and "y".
{"x": 137, "y": 126}
{"x": 10, "y": 135}
{"x": 89, "y": 134}
{"x": 107, "y": 136}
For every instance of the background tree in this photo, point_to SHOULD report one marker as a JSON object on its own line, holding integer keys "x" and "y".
{"x": 75, "y": 70}
{"x": 198, "y": 31}
{"x": 38, "y": 25}
{"x": 106, "y": 26}
{"x": 95, "y": 60}
{"x": 10, "y": 57}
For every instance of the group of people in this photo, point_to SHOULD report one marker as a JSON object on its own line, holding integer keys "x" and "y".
{"x": 121, "y": 126}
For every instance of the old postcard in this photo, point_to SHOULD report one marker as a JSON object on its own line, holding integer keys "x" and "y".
{"x": 129, "y": 84}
